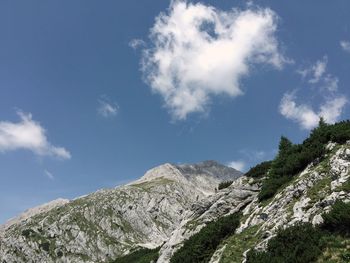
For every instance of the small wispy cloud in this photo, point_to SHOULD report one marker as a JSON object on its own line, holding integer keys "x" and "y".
{"x": 136, "y": 43}
{"x": 28, "y": 134}
{"x": 238, "y": 165}
{"x": 324, "y": 83}
{"x": 345, "y": 45}
{"x": 49, "y": 175}
{"x": 306, "y": 116}
{"x": 107, "y": 108}
{"x": 317, "y": 75}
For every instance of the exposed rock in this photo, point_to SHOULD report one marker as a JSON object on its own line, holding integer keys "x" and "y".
{"x": 109, "y": 223}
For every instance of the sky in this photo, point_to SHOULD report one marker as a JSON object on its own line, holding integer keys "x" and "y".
{"x": 95, "y": 93}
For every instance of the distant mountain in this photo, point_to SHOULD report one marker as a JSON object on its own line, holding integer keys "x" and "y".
{"x": 112, "y": 222}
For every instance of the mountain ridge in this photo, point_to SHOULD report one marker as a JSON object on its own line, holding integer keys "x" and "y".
{"x": 141, "y": 213}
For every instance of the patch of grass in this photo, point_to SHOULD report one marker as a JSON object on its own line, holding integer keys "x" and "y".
{"x": 237, "y": 244}
{"x": 147, "y": 186}
{"x": 344, "y": 187}
{"x": 337, "y": 250}
{"x": 320, "y": 189}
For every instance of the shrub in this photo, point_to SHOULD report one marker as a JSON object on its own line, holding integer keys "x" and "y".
{"x": 225, "y": 184}
{"x": 201, "y": 246}
{"x": 143, "y": 255}
{"x": 338, "y": 219}
{"x": 45, "y": 246}
{"x": 297, "y": 244}
{"x": 291, "y": 159}
{"x": 259, "y": 170}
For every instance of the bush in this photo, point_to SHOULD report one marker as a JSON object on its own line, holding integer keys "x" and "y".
{"x": 201, "y": 246}
{"x": 259, "y": 170}
{"x": 225, "y": 184}
{"x": 45, "y": 246}
{"x": 338, "y": 219}
{"x": 292, "y": 159}
{"x": 143, "y": 255}
{"x": 297, "y": 244}
{"x": 303, "y": 243}
{"x": 271, "y": 186}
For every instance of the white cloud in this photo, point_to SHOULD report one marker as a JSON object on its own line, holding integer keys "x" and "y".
{"x": 106, "y": 108}
{"x": 332, "y": 109}
{"x": 345, "y": 45}
{"x": 136, "y": 43}
{"x": 318, "y": 70}
{"x": 327, "y": 86}
{"x": 198, "y": 51}
{"x": 49, "y": 175}
{"x": 317, "y": 75}
{"x": 238, "y": 165}
{"x": 306, "y": 117}
{"x": 30, "y": 135}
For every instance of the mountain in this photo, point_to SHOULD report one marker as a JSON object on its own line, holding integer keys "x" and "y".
{"x": 112, "y": 222}
{"x": 293, "y": 209}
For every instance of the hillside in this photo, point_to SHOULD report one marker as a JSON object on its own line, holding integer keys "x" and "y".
{"x": 295, "y": 208}
{"x": 109, "y": 223}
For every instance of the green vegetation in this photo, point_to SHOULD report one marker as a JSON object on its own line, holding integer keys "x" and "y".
{"x": 143, "y": 255}
{"x": 336, "y": 250}
{"x": 304, "y": 243}
{"x": 201, "y": 246}
{"x": 319, "y": 190}
{"x": 338, "y": 219}
{"x": 297, "y": 244}
{"x": 225, "y": 184}
{"x": 345, "y": 186}
{"x": 238, "y": 243}
{"x": 259, "y": 170}
{"x": 293, "y": 158}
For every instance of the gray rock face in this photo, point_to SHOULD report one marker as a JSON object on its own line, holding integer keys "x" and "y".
{"x": 109, "y": 223}
{"x": 305, "y": 199}
{"x": 224, "y": 202}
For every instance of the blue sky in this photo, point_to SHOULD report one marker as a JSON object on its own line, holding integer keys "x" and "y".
{"x": 94, "y": 93}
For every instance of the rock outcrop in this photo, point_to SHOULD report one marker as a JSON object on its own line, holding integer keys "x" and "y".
{"x": 110, "y": 223}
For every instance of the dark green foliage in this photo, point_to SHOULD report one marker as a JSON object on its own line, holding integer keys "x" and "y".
{"x": 201, "y": 246}
{"x": 303, "y": 243}
{"x": 259, "y": 170}
{"x": 225, "y": 184}
{"x": 338, "y": 219}
{"x": 45, "y": 246}
{"x": 143, "y": 255}
{"x": 27, "y": 232}
{"x": 292, "y": 159}
{"x": 297, "y": 244}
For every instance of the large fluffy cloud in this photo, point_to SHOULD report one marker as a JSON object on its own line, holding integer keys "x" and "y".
{"x": 198, "y": 51}
{"x": 30, "y": 135}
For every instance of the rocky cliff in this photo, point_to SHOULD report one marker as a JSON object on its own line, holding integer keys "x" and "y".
{"x": 109, "y": 223}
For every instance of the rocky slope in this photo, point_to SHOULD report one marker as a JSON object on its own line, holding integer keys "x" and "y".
{"x": 168, "y": 205}
{"x": 109, "y": 223}
{"x": 309, "y": 195}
